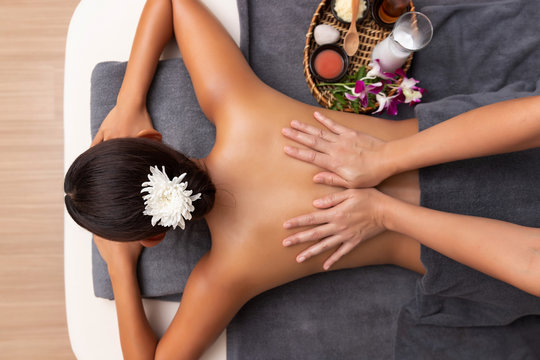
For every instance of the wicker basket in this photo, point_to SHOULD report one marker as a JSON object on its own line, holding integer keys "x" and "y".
{"x": 370, "y": 34}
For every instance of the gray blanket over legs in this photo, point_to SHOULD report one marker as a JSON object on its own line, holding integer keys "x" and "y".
{"x": 482, "y": 52}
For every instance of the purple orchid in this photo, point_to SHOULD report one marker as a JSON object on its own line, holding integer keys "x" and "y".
{"x": 408, "y": 91}
{"x": 387, "y": 102}
{"x": 361, "y": 92}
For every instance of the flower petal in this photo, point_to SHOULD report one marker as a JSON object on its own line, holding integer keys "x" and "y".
{"x": 360, "y": 87}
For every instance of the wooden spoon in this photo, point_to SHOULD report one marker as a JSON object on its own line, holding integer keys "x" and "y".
{"x": 351, "y": 40}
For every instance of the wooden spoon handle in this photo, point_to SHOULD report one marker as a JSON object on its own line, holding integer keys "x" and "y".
{"x": 355, "y": 4}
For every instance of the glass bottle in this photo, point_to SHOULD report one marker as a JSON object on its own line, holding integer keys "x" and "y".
{"x": 390, "y": 10}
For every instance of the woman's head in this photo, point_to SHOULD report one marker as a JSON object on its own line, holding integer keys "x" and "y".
{"x": 103, "y": 187}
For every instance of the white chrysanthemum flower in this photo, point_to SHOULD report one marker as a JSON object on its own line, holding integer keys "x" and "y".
{"x": 168, "y": 201}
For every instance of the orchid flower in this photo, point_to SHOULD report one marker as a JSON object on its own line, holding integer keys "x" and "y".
{"x": 360, "y": 91}
{"x": 376, "y": 72}
{"x": 387, "y": 102}
{"x": 409, "y": 92}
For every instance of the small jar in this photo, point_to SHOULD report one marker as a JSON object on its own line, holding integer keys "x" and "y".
{"x": 329, "y": 63}
{"x": 386, "y": 12}
{"x": 361, "y": 14}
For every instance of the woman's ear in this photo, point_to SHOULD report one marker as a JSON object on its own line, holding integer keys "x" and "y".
{"x": 152, "y": 241}
{"x": 152, "y": 134}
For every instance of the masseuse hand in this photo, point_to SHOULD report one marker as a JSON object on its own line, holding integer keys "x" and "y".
{"x": 123, "y": 121}
{"x": 353, "y": 159}
{"x": 119, "y": 255}
{"x": 350, "y": 217}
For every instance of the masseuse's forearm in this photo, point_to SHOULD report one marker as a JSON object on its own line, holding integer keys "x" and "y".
{"x": 153, "y": 33}
{"x": 503, "y": 127}
{"x": 505, "y": 251}
{"x": 136, "y": 337}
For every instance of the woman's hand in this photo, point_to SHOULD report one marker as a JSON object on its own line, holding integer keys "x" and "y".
{"x": 350, "y": 217}
{"x": 119, "y": 255}
{"x": 123, "y": 121}
{"x": 353, "y": 159}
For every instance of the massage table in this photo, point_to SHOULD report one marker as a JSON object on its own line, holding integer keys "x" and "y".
{"x": 103, "y": 30}
{"x": 367, "y": 313}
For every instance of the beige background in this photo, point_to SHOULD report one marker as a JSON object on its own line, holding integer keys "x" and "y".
{"x": 32, "y": 311}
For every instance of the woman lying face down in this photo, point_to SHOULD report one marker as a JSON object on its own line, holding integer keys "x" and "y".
{"x": 257, "y": 188}
{"x": 245, "y": 213}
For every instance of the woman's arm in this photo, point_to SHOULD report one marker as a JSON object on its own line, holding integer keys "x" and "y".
{"x": 214, "y": 293}
{"x": 136, "y": 337}
{"x": 130, "y": 115}
{"x": 356, "y": 160}
{"x": 221, "y": 76}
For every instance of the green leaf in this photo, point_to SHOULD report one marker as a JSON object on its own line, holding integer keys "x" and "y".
{"x": 355, "y": 106}
{"x": 340, "y": 98}
{"x": 361, "y": 73}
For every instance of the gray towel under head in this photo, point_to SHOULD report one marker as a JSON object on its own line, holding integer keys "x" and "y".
{"x": 164, "y": 269}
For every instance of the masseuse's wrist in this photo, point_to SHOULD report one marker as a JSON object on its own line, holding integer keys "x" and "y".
{"x": 390, "y": 211}
{"x": 391, "y": 159}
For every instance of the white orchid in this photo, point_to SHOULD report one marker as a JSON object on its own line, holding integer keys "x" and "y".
{"x": 387, "y": 102}
{"x": 412, "y": 93}
{"x": 409, "y": 92}
{"x": 376, "y": 71}
{"x": 168, "y": 201}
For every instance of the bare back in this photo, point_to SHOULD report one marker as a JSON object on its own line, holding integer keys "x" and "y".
{"x": 259, "y": 187}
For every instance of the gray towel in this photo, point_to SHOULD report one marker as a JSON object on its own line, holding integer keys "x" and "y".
{"x": 164, "y": 269}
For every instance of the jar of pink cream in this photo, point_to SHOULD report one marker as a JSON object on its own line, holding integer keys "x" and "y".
{"x": 329, "y": 63}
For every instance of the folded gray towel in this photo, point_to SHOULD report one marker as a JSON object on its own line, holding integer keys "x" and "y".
{"x": 163, "y": 269}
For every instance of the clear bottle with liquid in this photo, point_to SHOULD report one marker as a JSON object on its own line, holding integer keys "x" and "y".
{"x": 411, "y": 32}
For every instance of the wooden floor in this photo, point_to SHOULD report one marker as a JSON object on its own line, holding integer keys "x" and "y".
{"x": 32, "y": 311}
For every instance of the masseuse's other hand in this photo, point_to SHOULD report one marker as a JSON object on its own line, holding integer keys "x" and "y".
{"x": 353, "y": 159}
{"x": 348, "y": 218}
{"x": 123, "y": 121}
{"x": 119, "y": 255}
